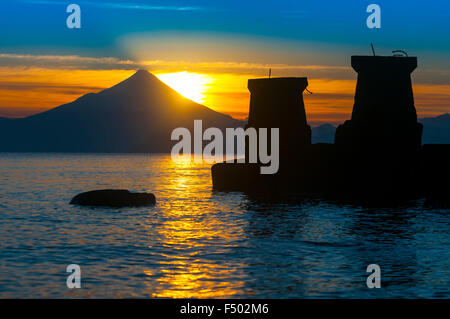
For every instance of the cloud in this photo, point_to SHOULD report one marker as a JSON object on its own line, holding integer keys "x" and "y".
{"x": 159, "y": 66}
{"x": 33, "y": 86}
{"x": 120, "y": 5}
{"x": 67, "y": 61}
{"x": 329, "y": 72}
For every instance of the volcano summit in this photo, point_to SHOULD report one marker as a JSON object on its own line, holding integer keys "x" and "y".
{"x": 136, "y": 115}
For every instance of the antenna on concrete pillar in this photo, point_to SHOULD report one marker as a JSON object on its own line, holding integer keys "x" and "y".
{"x": 400, "y": 53}
{"x": 373, "y": 50}
{"x": 270, "y": 72}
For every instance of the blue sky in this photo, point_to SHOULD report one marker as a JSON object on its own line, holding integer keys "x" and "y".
{"x": 29, "y": 26}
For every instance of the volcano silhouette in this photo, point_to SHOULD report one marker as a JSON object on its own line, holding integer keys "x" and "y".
{"x": 136, "y": 115}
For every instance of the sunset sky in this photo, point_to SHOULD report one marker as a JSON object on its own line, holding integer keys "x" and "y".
{"x": 207, "y": 50}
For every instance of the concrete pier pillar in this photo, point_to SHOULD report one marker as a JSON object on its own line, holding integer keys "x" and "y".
{"x": 278, "y": 103}
{"x": 384, "y": 115}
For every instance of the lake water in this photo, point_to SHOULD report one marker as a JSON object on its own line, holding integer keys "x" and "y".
{"x": 199, "y": 243}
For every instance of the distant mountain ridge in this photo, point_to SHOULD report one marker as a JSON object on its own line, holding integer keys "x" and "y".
{"x": 436, "y": 130}
{"x": 323, "y": 133}
{"x": 135, "y": 115}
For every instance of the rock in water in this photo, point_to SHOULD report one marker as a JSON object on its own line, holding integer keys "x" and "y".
{"x": 113, "y": 198}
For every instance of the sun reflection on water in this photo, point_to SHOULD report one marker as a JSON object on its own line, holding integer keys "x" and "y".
{"x": 199, "y": 243}
{"x": 188, "y": 268}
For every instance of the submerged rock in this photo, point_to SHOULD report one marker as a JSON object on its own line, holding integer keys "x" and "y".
{"x": 113, "y": 198}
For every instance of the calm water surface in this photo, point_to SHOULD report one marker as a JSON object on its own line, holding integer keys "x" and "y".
{"x": 199, "y": 243}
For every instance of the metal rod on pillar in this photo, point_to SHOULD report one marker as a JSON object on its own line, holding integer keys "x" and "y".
{"x": 373, "y": 50}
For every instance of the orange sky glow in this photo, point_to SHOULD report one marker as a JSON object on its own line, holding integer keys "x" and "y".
{"x": 28, "y": 90}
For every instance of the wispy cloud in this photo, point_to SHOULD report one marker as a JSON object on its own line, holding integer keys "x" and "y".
{"x": 67, "y": 61}
{"x": 120, "y": 5}
{"x": 111, "y": 63}
{"x": 423, "y": 76}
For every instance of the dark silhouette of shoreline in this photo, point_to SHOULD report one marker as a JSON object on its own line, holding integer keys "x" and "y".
{"x": 377, "y": 155}
{"x": 436, "y": 130}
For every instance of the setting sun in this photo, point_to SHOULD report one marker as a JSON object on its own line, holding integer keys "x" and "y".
{"x": 191, "y": 85}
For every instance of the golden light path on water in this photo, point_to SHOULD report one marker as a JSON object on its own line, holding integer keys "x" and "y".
{"x": 198, "y": 243}
{"x": 189, "y": 229}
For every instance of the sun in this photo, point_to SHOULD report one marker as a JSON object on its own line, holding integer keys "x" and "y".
{"x": 191, "y": 85}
